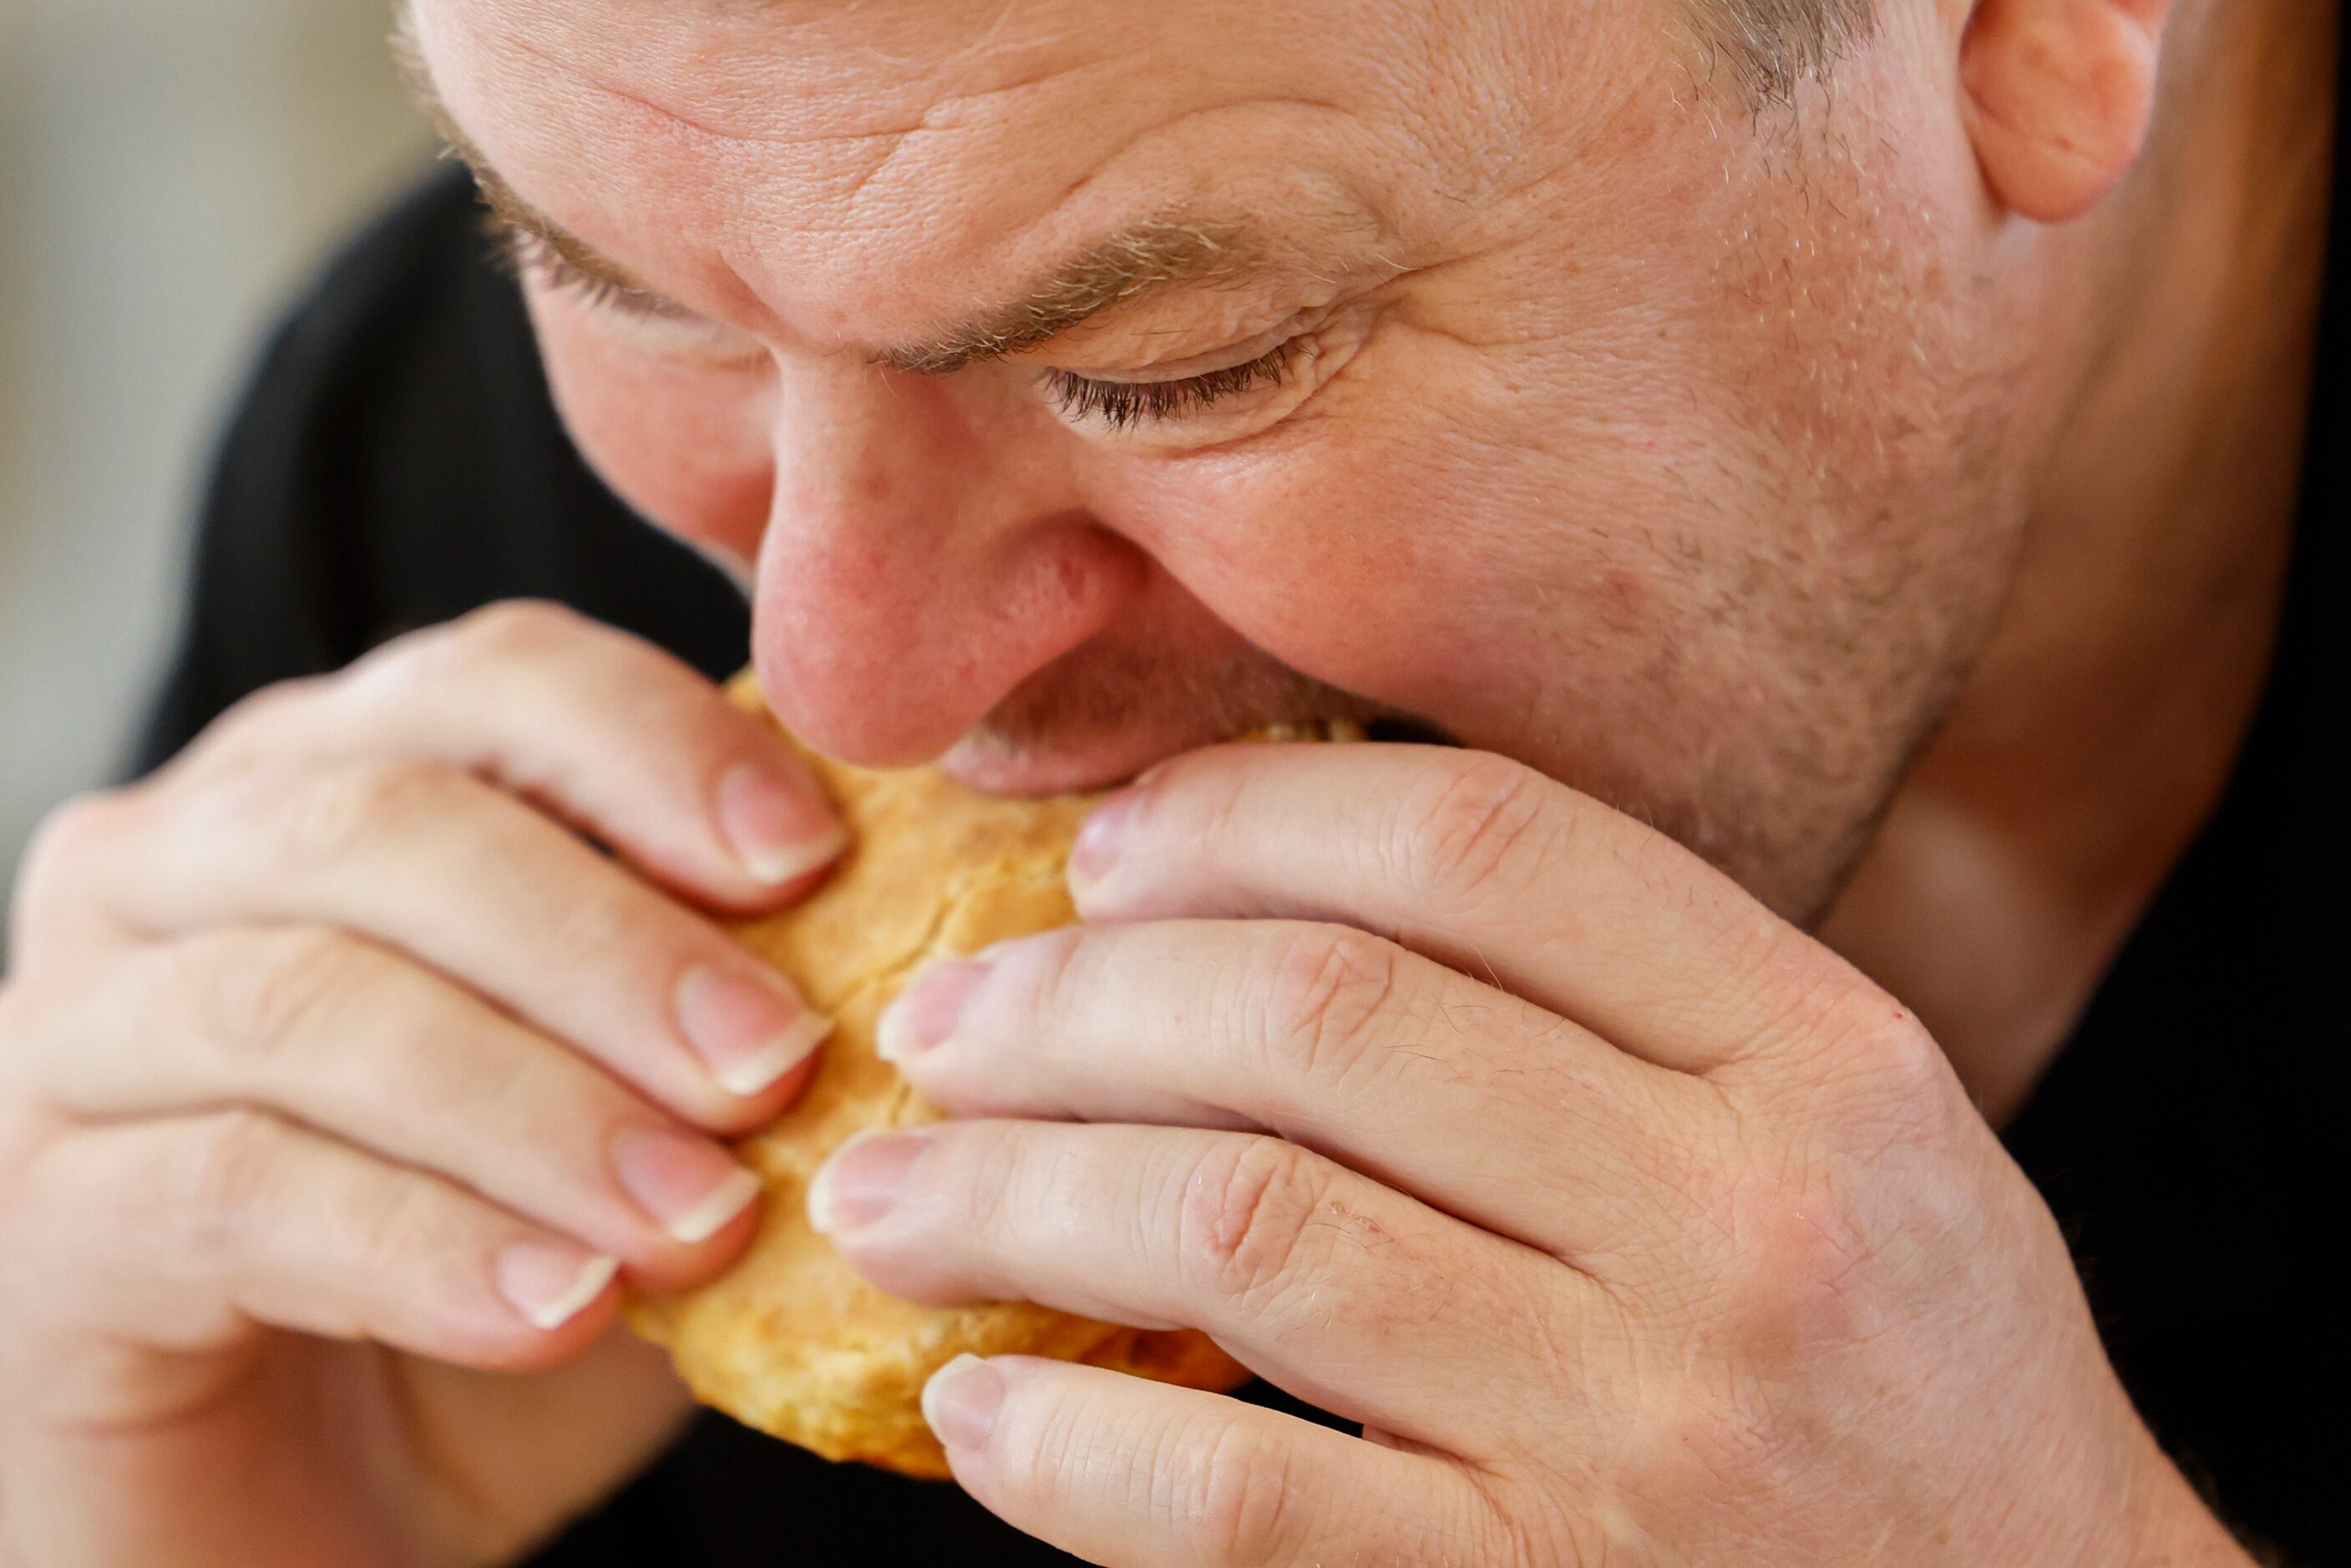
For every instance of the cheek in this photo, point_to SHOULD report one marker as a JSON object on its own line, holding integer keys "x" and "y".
{"x": 1435, "y": 533}
{"x": 1379, "y": 561}
{"x": 690, "y": 447}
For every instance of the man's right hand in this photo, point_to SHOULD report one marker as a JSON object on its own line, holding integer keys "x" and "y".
{"x": 338, "y": 1069}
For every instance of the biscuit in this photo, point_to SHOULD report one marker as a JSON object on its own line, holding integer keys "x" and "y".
{"x": 791, "y": 1341}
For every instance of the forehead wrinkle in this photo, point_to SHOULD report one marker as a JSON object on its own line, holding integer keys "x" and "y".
{"x": 991, "y": 40}
{"x": 505, "y": 205}
{"x": 922, "y": 85}
{"x": 680, "y": 117}
{"x": 1170, "y": 250}
{"x": 675, "y": 119}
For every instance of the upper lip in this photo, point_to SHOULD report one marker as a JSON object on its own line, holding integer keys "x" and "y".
{"x": 1107, "y": 760}
{"x": 1096, "y": 766}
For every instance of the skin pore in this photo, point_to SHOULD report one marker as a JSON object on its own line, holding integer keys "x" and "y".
{"x": 1883, "y": 492}
{"x": 2097, "y": 730}
{"x": 1756, "y": 473}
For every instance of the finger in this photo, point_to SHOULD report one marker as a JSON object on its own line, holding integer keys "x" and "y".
{"x": 53, "y": 912}
{"x": 603, "y": 728}
{"x": 181, "y": 1233}
{"x": 1332, "y": 1286}
{"x": 353, "y": 1041}
{"x": 1487, "y": 1106}
{"x": 1118, "y": 1469}
{"x": 438, "y": 865}
{"x": 1486, "y": 866}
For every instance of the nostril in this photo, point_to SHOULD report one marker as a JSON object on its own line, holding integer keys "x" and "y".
{"x": 884, "y": 647}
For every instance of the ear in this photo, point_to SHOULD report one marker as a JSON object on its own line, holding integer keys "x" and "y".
{"x": 2059, "y": 93}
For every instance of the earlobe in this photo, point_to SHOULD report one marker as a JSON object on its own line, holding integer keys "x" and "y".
{"x": 2058, "y": 97}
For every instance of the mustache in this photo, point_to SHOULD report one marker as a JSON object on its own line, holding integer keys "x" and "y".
{"x": 1206, "y": 702}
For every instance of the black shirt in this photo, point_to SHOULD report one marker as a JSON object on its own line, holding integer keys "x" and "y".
{"x": 397, "y": 461}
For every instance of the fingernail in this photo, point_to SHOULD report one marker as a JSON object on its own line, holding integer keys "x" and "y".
{"x": 780, "y": 833}
{"x": 1097, "y": 848}
{"x": 550, "y": 1284}
{"x": 748, "y": 1031}
{"x": 924, "y": 1015}
{"x": 689, "y": 1185}
{"x": 863, "y": 1181}
{"x": 961, "y": 1400}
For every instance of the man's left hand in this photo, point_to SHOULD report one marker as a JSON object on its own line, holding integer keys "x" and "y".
{"x": 1634, "y": 1225}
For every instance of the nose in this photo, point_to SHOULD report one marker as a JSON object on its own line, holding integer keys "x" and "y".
{"x": 925, "y": 554}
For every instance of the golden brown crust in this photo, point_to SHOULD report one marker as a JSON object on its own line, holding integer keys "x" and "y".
{"x": 791, "y": 1341}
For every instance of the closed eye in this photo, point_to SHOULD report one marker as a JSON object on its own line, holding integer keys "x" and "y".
{"x": 1122, "y": 405}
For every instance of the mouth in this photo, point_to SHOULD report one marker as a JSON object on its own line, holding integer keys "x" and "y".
{"x": 988, "y": 761}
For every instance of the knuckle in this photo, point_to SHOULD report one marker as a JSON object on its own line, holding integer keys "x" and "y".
{"x": 1328, "y": 1002}
{"x": 1784, "y": 995}
{"x": 26, "y": 1132}
{"x": 513, "y": 630}
{"x": 1892, "y": 1057}
{"x": 66, "y": 842}
{"x": 337, "y": 811}
{"x": 80, "y": 827}
{"x": 612, "y": 920}
{"x": 1468, "y": 833}
{"x": 24, "y": 1015}
{"x": 1051, "y": 973}
{"x": 249, "y": 730}
{"x": 1207, "y": 794}
{"x": 445, "y": 663}
{"x": 262, "y": 714}
{"x": 260, "y": 995}
{"x": 1062, "y": 1436}
{"x": 1874, "y": 1079}
{"x": 1710, "y": 1431}
{"x": 982, "y": 1170}
{"x": 231, "y": 1169}
{"x": 400, "y": 1223}
{"x": 1236, "y": 1494}
{"x": 508, "y": 1082}
{"x": 1248, "y": 1211}
{"x": 1799, "y": 1277}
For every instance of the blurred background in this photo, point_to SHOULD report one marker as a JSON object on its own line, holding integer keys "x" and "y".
{"x": 170, "y": 172}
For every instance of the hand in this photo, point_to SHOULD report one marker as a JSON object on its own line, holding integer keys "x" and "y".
{"x": 1635, "y": 1226}
{"x": 338, "y": 1069}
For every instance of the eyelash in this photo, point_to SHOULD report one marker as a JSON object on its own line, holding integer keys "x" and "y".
{"x": 524, "y": 253}
{"x": 1122, "y": 405}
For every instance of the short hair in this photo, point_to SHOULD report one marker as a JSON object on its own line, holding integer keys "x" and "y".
{"x": 1772, "y": 47}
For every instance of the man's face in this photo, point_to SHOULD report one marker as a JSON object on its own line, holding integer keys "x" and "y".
{"x": 1479, "y": 361}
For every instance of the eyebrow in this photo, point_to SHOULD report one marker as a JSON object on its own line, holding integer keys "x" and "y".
{"x": 507, "y": 208}
{"x": 1150, "y": 257}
